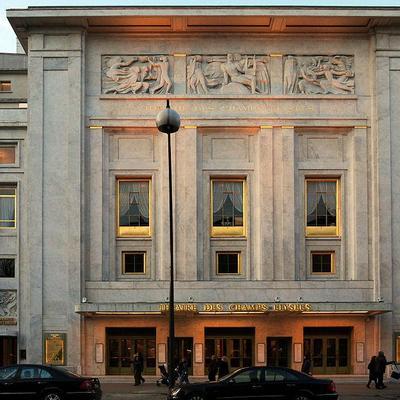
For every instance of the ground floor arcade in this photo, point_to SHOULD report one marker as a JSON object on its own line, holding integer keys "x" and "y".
{"x": 336, "y": 343}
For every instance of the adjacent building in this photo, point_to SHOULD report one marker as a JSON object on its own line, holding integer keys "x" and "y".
{"x": 285, "y": 193}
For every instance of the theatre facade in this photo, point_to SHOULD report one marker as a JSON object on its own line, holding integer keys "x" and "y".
{"x": 286, "y": 187}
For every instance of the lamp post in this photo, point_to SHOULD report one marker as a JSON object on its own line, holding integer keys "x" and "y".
{"x": 168, "y": 121}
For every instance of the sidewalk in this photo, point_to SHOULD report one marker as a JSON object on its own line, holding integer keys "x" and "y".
{"x": 349, "y": 388}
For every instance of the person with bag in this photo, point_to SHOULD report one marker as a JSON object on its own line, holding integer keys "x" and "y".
{"x": 372, "y": 372}
{"x": 381, "y": 363}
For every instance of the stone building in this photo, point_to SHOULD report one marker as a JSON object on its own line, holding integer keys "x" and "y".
{"x": 286, "y": 186}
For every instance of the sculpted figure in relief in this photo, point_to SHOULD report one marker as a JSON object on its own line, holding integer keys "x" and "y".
{"x": 230, "y": 74}
{"x": 131, "y": 74}
{"x": 318, "y": 75}
{"x": 8, "y": 303}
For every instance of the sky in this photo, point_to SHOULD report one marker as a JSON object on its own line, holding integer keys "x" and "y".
{"x": 8, "y": 41}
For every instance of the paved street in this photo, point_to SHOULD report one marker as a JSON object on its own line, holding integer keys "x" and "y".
{"x": 150, "y": 391}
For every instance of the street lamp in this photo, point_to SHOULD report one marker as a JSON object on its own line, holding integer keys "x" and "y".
{"x": 168, "y": 121}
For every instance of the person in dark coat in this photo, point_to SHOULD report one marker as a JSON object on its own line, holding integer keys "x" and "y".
{"x": 223, "y": 367}
{"x": 142, "y": 380}
{"x": 381, "y": 363}
{"x": 372, "y": 372}
{"x": 183, "y": 371}
{"x": 137, "y": 368}
{"x": 212, "y": 369}
{"x": 306, "y": 366}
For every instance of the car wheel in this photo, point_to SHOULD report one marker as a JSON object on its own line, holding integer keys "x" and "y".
{"x": 196, "y": 396}
{"x": 301, "y": 396}
{"x": 52, "y": 396}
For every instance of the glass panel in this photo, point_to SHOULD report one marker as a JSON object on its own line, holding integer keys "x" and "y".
{"x": 7, "y": 212}
{"x": 321, "y": 263}
{"x": 249, "y": 376}
{"x": 8, "y": 372}
{"x": 7, "y": 268}
{"x": 44, "y": 374}
{"x": 321, "y": 203}
{"x": 133, "y": 203}
{"x": 150, "y": 358}
{"x": 343, "y": 352}
{"x": 227, "y": 203}
{"x": 247, "y": 352}
{"x": 126, "y": 346}
{"x": 114, "y": 353}
{"x": 398, "y": 349}
{"x": 331, "y": 352}
{"x": 317, "y": 352}
{"x": 28, "y": 373}
{"x": 134, "y": 263}
{"x": 7, "y": 155}
{"x": 5, "y": 86}
{"x": 235, "y": 353}
{"x": 228, "y": 263}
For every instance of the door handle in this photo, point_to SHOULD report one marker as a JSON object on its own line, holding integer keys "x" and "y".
{"x": 257, "y": 386}
{"x": 290, "y": 384}
{"x": 8, "y": 383}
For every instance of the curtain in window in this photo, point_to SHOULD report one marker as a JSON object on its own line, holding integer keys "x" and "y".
{"x": 321, "y": 193}
{"x": 7, "y": 208}
{"x": 224, "y": 190}
{"x": 134, "y": 192}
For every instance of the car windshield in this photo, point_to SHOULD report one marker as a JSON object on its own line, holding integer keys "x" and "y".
{"x": 8, "y": 372}
{"x": 67, "y": 372}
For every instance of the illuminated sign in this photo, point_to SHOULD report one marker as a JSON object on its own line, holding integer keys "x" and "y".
{"x": 238, "y": 307}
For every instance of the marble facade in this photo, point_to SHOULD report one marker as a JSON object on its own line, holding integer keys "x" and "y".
{"x": 265, "y": 94}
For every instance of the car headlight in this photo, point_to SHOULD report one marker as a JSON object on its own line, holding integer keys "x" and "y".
{"x": 175, "y": 392}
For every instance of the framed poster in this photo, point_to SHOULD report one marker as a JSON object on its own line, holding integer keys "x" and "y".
{"x": 198, "y": 352}
{"x": 162, "y": 353}
{"x": 360, "y": 352}
{"x": 261, "y": 353}
{"x": 54, "y": 348}
{"x": 99, "y": 352}
{"x": 297, "y": 351}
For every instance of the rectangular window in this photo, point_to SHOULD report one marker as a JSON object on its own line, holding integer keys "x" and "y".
{"x": 134, "y": 262}
{"x": 323, "y": 262}
{"x": 5, "y": 86}
{"x": 7, "y": 207}
{"x": 7, "y": 267}
{"x": 398, "y": 349}
{"x": 7, "y": 154}
{"x": 228, "y": 263}
{"x": 134, "y": 207}
{"x": 228, "y": 202}
{"x": 322, "y": 202}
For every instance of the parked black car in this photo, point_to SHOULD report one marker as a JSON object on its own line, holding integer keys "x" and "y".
{"x": 259, "y": 383}
{"x": 41, "y": 382}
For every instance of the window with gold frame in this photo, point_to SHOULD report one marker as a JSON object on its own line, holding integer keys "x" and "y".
{"x": 323, "y": 262}
{"x": 398, "y": 348}
{"x": 228, "y": 263}
{"x": 5, "y": 86}
{"x": 8, "y": 206}
{"x": 322, "y": 203}
{"x": 133, "y": 207}
{"x": 228, "y": 207}
{"x": 134, "y": 262}
{"x": 7, "y": 154}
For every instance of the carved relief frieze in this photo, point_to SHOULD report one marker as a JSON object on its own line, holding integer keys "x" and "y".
{"x": 8, "y": 303}
{"x": 318, "y": 75}
{"x": 130, "y": 74}
{"x": 228, "y": 74}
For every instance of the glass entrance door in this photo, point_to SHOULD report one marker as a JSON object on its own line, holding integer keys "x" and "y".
{"x": 8, "y": 350}
{"x": 329, "y": 353}
{"x": 279, "y": 351}
{"x": 234, "y": 343}
{"x": 121, "y": 349}
{"x": 183, "y": 349}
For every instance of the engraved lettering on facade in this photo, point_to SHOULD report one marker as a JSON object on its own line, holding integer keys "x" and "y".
{"x": 230, "y": 74}
{"x": 318, "y": 75}
{"x": 136, "y": 74}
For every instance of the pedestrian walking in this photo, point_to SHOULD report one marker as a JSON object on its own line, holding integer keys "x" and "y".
{"x": 372, "y": 372}
{"x": 141, "y": 360}
{"x": 183, "y": 371}
{"x": 306, "y": 366}
{"x": 212, "y": 369}
{"x": 223, "y": 367}
{"x": 381, "y": 363}
{"x": 137, "y": 368}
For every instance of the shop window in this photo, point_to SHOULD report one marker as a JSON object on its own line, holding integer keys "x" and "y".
{"x": 228, "y": 263}
{"x": 134, "y": 262}
{"x": 398, "y": 349}
{"x": 134, "y": 207}
{"x": 323, "y": 262}
{"x": 7, "y": 207}
{"x": 7, "y": 154}
{"x": 228, "y": 202}
{"x": 7, "y": 267}
{"x": 322, "y": 207}
{"x": 5, "y": 86}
